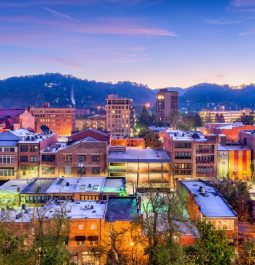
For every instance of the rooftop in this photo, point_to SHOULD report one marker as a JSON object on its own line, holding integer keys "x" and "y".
{"x": 133, "y": 154}
{"x": 211, "y": 203}
{"x": 38, "y": 185}
{"x": 17, "y": 215}
{"x": 121, "y": 208}
{"x": 26, "y": 136}
{"x": 232, "y": 147}
{"x": 14, "y": 186}
{"x": 179, "y": 135}
{"x": 77, "y": 209}
{"x": 114, "y": 185}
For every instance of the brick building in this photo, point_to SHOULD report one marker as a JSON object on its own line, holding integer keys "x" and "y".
{"x": 59, "y": 120}
{"x": 97, "y": 122}
{"x": 193, "y": 154}
{"x": 85, "y": 157}
{"x": 205, "y": 203}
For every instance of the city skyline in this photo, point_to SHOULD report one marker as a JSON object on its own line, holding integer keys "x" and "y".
{"x": 159, "y": 43}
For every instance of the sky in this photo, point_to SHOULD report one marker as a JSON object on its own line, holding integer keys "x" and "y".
{"x": 160, "y": 43}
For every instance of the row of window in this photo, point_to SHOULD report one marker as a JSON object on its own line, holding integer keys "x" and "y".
{"x": 24, "y": 159}
{"x": 69, "y": 170}
{"x": 182, "y": 144}
{"x": 183, "y": 155}
{"x": 6, "y": 172}
{"x": 205, "y": 170}
{"x": 7, "y": 159}
{"x": 26, "y": 148}
{"x": 7, "y": 149}
{"x": 82, "y": 158}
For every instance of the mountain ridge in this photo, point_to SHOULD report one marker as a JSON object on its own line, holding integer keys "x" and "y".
{"x": 66, "y": 91}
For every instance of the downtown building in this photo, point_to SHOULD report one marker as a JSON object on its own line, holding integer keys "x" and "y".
{"x": 119, "y": 116}
{"x": 166, "y": 105}
{"x": 193, "y": 154}
{"x": 59, "y": 120}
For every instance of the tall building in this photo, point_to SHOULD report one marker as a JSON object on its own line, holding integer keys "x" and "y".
{"x": 119, "y": 116}
{"x": 166, "y": 104}
{"x": 59, "y": 120}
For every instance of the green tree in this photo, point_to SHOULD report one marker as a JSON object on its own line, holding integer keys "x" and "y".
{"x": 174, "y": 119}
{"x": 237, "y": 195}
{"x": 186, "y": 122}
{"x": 212, "y": 248}
{"x": 249, "y": 251}
{"x": 145, "y": 119}
{"x": 151, "y": 139}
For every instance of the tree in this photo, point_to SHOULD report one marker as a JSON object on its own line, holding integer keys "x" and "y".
{"x": 249, "y": 251}
{"x": 145, "y": 119}
{"x": 151, "y": 139}
{"x": 217, "y": 118}
{"x": 186, "y": 122}
{"x": 212, "y": 248}
{"x": 174, "y": 119}
{"x": 237, "y": 195}
{"x": 246, "y": 119}
{"x": 162, "y": 212}
{"x": 197, "y": 120}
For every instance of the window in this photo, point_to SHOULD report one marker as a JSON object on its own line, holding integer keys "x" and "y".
{"x": 48, "y": 158}
{"x": 79, "y": 240}
{"x": 33, "y": 148}
{"x": 81, "y": 158}
{"x": 95, "y": 158}
{"x": 80, "y": 226}
{"x": 93, "y": 227}
{"x": 67, "y": 170}
{"x": 48, "y": 170}
{"x": 6, "y": 159}
{"x": 23, "y": 148}
{"x": 93, "y": 240}
{"x": 6, "y": 172}
{"x": 68, "y": 158}
{"x": 33, "y": 159}
{"x": 95, "y": 170}
{"x": 23, "y": 159}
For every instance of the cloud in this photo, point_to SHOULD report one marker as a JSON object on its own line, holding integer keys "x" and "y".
{"x": 138, "y": 56}
{"x": 63, "y": 61}
{"x": 60, "y": 15}
{"x": 223, "y": 21}
{"x": 243, "y": 3}
{"x": 246, "y": 34}
{"x": 123, "y": 30}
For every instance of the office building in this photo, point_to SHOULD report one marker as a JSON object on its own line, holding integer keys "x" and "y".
{"x": 166, "y": 105}
{"x": 119, "y": 116}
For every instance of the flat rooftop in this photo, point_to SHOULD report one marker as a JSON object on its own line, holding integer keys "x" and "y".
{"x": 212, "y": 204}
{"x": 17, "y": 215}
{"x": 232, "y": 148}
{"x": 121, "y": 208}
{"x": 132, "y": 154}
{"x": 27, "y": 136}
{"x": 39, "y": 185}
{"x": 77, "y": 209}
{"x": 14, "y": 186}
{"x": 114, "y": 185}
{"x": 178, "y": 135}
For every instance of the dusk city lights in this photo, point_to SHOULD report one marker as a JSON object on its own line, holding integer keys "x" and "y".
{"x": 127, "y": 132}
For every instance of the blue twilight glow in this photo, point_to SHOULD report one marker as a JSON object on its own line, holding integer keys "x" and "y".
{"x": 155, "y": 42}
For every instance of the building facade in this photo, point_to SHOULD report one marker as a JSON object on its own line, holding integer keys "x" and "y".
{"x": 193, "y": 154}
{"x": 59, "y": 120}
{"x": 166, "y": 105}
{"x": 119, "y": 116}
{"x": 97, "y": 122}
{"x": 227, "y": 116}
{"x": 234, "y": 162}
{"x": 86, "y": 157}
{"x": 142, "y": 168}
